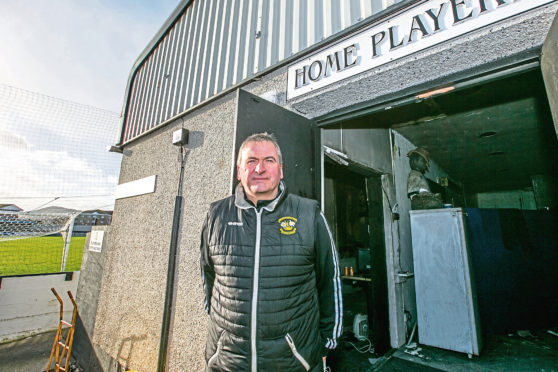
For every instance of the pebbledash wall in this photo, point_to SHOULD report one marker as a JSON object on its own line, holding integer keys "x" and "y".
{"x": 128, "y": 320}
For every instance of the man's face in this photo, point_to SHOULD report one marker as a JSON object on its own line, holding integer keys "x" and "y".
{"x": 418, "y": 163}
{"x": 421, "y": 164}
{"x": 259, "y": 171}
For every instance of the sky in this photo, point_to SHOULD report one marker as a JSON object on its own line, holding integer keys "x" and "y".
{"x": 64, "y": 67}
{"x": 78, "y": 50}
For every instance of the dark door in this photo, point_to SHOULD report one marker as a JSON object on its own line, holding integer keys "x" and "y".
{"x": 295, "y": 134}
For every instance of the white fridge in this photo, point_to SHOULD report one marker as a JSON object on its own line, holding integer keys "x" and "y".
{"x": 447, "y": 312}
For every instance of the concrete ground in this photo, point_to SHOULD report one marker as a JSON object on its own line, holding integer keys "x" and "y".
{"x": 529, "y": 351}
{"x": 525, "y": 351}
{"x": 29, "y": 354}
{"x": 536, "y": 351}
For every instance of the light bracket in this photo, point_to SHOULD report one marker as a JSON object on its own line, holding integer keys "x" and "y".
{"x": 180, "y": 137}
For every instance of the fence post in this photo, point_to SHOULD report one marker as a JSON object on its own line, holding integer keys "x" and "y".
{"x": 67, "y": 238}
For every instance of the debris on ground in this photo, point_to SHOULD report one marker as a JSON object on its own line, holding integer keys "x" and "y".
{"x": 413, "y": 349}
{"x": 525, "y": 333}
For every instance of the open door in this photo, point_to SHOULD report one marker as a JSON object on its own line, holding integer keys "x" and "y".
{"x": 549, "y": 60}
{"x": 295, "y": 134}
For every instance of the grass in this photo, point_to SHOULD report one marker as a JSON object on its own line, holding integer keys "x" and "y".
{"x": 39, "y": 255}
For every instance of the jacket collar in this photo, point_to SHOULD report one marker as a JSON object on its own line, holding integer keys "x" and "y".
{"x": 242, "y": 203}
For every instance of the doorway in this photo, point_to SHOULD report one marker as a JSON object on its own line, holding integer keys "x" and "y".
{"x": 353, "y": 207}
{"x": 492, "y": 146}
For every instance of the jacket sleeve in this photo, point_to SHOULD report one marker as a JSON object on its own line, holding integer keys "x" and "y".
{"x": 328, "y": 283}
{"x": 207, "y": 273}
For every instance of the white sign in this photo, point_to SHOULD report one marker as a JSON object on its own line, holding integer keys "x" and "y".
{"x": 96, "y": 241}
{"x": 133, "y": 188}
{"x": 415, "y": 28}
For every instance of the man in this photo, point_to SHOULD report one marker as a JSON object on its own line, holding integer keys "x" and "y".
{"x": 418, "y": 189}
{"x": 270, "y": 272}
{"x": 419, "y": 162}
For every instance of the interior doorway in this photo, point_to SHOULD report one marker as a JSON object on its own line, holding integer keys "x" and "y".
{"x": 492, "y": 146}
{"x": 353, "y": 207}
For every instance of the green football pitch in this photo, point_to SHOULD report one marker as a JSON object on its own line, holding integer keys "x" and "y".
{"x": 39, "y": 255}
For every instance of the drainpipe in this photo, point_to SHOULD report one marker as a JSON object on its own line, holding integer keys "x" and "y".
{"x": 171, "y": 272}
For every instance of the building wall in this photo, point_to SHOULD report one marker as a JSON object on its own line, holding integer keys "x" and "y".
{"x": 365, "y": 146}
{"x": 208, "y": 178}
{"x": 497, "y": 45}
{"x": 87, "y": 298}
{"x": 130, "y": 306}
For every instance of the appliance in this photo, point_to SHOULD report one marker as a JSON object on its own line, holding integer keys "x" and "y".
{"x": 447, "y": 312}
{"x": 360, "y": 327}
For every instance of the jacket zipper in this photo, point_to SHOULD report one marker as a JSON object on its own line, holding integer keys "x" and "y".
{"x": 255, "y": 286}
{"x": 296, "y": 353}
{"x": 219, "y": 346}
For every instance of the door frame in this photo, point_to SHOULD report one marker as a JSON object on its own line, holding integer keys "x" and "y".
{"x": 379, "y": 325}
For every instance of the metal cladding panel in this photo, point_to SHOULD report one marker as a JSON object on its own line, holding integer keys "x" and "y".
{"x": 212, "y": 45}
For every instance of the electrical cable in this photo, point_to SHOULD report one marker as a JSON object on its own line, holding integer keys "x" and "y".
{"x": 363, "y": 349}
{"x": 171, "y": 268}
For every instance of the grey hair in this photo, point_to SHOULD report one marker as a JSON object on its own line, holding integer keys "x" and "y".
{"x": 260, "y": 137}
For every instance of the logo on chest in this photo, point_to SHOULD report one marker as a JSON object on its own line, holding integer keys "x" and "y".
{"x": 288, "y": 225}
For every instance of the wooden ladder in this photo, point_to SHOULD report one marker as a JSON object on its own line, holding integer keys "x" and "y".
{"x": 66, "y": 346}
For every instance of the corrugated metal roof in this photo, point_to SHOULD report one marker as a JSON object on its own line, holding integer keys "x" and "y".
{"x": 212, "y": 45}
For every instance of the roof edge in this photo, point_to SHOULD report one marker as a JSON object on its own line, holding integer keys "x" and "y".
{"x": 169, "y": 23}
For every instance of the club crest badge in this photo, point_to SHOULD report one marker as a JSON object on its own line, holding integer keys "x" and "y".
{"x": 287, "y": 225}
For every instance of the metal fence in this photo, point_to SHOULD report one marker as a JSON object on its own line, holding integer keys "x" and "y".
{"x": 55, "y": 165}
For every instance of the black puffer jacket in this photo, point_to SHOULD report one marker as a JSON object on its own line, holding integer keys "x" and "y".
{"x": 272, "y": 286}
